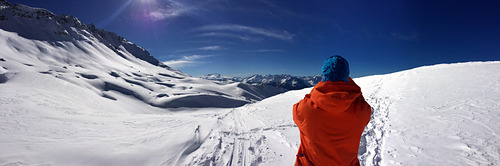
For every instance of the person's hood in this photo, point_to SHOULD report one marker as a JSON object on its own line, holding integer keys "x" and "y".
{"x": 335, "y": 96}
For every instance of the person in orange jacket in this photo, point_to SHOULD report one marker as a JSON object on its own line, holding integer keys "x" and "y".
{"x": 331, "y": 118}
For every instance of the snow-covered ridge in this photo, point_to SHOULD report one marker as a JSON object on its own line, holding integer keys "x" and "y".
{"x": 41, "y": 24}
{"x": 38, "y": 44}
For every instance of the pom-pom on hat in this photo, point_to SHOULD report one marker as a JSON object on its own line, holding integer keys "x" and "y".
{"x": 334, "y": 69}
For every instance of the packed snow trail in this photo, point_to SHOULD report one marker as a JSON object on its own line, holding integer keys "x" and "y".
{"x": 380, "y": 93}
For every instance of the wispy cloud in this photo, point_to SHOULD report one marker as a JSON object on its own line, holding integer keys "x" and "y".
{"x": 161, "y": 14}
{"x": 266, "y": 50}
{"x": 168, "y": 9}
{"x": 229, "y": 35}
{"x": 187, "y": 61}
{"x": 270, "y": 33}
{"x": 206, "y": 48}
{"x": 211, "y": 48}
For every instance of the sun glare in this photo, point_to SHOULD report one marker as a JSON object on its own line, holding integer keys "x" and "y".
{"x": 146, "y": 1}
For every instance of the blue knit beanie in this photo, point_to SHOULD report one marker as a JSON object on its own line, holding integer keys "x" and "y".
{"x": 334, "y": 69}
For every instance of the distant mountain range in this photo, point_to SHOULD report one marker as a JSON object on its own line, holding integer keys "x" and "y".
{"x": 284, "y": 81}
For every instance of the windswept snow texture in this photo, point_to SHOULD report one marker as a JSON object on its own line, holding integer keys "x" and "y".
{"x": 437, "y": 115}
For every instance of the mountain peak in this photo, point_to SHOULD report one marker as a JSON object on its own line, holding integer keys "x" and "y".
{"x": 41, "y": 24}
{"x": 4, "y": 3}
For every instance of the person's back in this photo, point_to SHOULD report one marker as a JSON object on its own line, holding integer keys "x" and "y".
{"x": 331, "y": 118}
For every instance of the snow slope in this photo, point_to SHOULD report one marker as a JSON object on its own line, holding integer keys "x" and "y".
{"x": 445, "y": 114}
{"x": 34, "y": 41}
{"x": 436, "y": 115}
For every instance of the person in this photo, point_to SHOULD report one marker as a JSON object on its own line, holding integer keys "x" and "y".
{"x": 331, "y": 118}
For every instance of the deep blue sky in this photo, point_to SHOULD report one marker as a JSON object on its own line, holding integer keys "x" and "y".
{"x": 242, "y": 37}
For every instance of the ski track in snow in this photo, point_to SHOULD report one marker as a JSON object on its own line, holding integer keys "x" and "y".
{"x": 374, "y": 132}
{"x": 372, "y": 139}
{"x": 239, "y": 138}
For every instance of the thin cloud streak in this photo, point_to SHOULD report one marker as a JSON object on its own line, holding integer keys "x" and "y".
{"x": 276, "y": 34}
{"x": 187, "y": 61}
{"x": 211, "y": 48}
{"x": 229, "y": 35}
{"x": 171, "y": 10}
{"x": 161, "y": 14}
{"x": 206, "y": 48}
{"x": 266, "y": 50}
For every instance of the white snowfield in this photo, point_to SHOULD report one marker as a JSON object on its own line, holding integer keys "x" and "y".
{"x": 445, "y": 114}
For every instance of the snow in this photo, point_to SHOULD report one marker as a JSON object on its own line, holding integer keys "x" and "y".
{"x": 446, "y": 114}
{"x": 94, "y": 98}
{"x": 438, "y": 115}
{"x": 93, "y": 66}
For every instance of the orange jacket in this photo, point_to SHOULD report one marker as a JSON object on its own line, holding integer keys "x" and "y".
{"x": 331, "y": 120}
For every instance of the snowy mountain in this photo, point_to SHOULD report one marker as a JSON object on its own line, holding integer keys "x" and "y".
{"x": 37, "y": 43}
{"x": 41, "y": 24}
{"x": 71, "y": 94}
{"x": 435, "y": 115}
{"x": 264, "y": 86}
{"x": 221, "y": 78}
{"x": 285, "y": 81}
